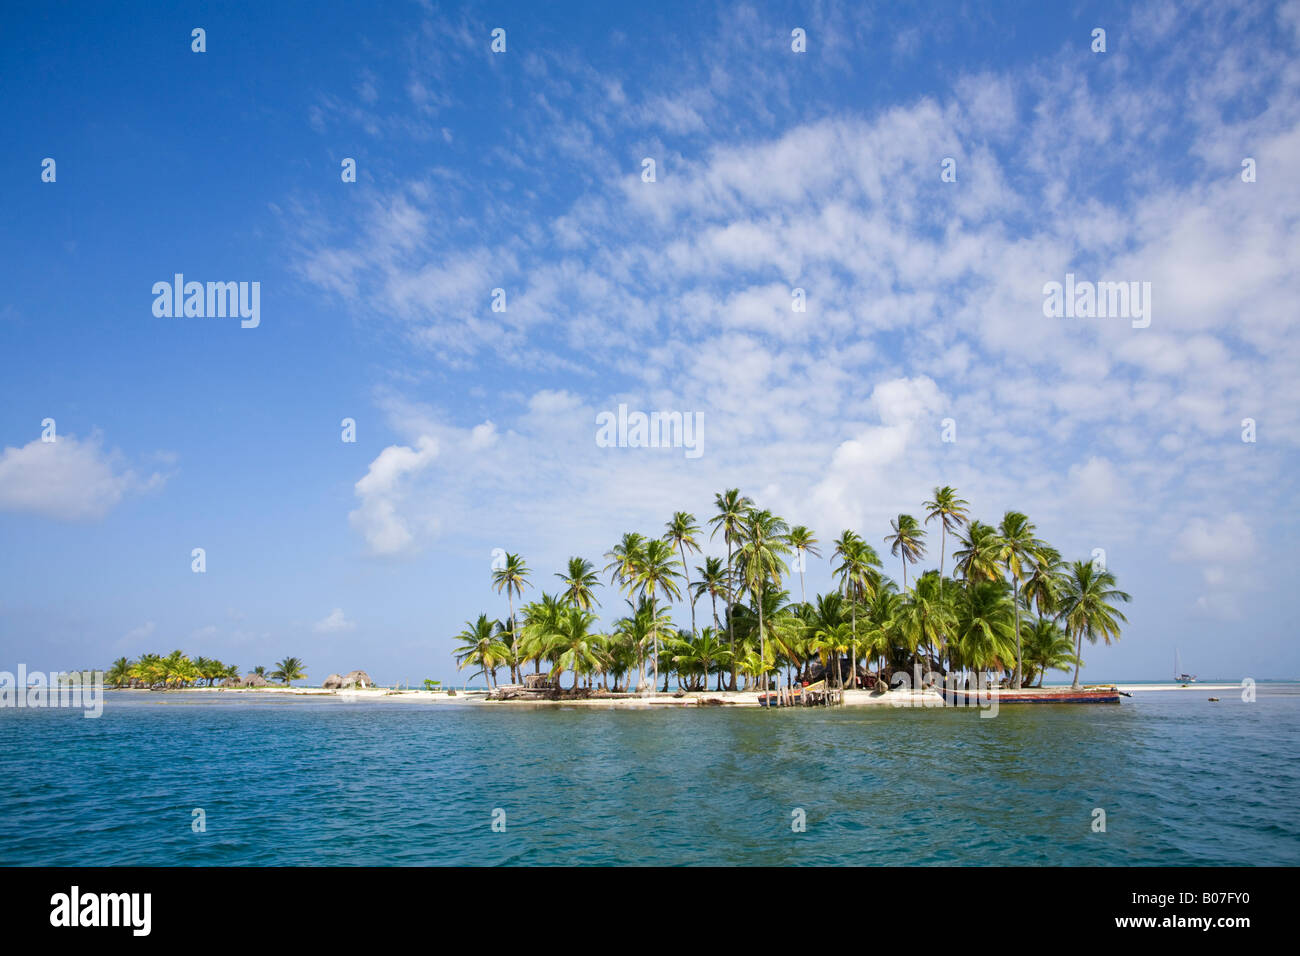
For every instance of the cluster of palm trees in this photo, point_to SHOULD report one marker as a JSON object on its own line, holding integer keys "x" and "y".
{"x": 178, "y": 670}
{"x": 1012, "y": 605}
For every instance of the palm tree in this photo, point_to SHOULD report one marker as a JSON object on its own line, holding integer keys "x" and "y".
{"x": 827, "y": 624}
{"x": 791, "y": 630}
{"x": 832, "y": 641}
{"x": 1087, "y": 608}
{"x": 209, "y": 669}
{"x": 776, "y": 614}
{"x": 178, "y": 669}
{"x": 977, "y": 558}
{"x": 578, "y": 584}
{"x": 515, "y": 650}
{"x": 655, "y": 572}
{"x": 804, "y": 544}
{"x": 259, "y": 670}
{"x": 1045, "y": 582}
{"x": 1016, "y": 551}
{"x": 951, "y": 512}
{"x": 755, "y": 666}
{"x": 573, "y": 645}
{"x": 908, "y": 540}
{"x": 511, "y": 578}
{"x": 731, "y": 509}
{"x": 638, "y": 630}
{"x": 927, "y": 617}
{"x": 764, "y": 543}
{"x": 681, "y": 532}
{"x": 480, "y": 645}
{"x": 149, "y": 670}
{"x": 624, "y": 557}
{"x": 1047, "y": 647}
{"x": 618, "y": 653}
{"x": 288, "y": 670}
{"x": 702, "y": 655}
{"x": 858, "y": 574}
{"x": 540, "y": 620}
{"x": 713, "y": 582}
{"x": 983, "y": 629}
{"x": 120, "y": 672}
{"x": 884, "y": 630}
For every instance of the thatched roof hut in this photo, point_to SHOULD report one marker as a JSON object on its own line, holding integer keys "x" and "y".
{"x": 255, "y": 680}
{"x": 333, "y": 682}
{"x": 357, "y": 679}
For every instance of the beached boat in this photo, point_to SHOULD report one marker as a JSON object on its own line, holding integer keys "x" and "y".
{"x": 1091, "y": 694}
{"x": 1178, "y": 671}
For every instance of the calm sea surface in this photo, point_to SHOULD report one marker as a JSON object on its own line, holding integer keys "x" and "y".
{"x": 299, "y": 781}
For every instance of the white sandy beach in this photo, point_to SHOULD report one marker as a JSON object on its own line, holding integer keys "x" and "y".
{"x": 852, "y": 698}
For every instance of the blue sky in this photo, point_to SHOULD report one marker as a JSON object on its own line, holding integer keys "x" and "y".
{"x": 522, "y": 171}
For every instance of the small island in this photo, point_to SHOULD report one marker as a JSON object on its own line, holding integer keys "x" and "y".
{"x": 1000, "y": 611}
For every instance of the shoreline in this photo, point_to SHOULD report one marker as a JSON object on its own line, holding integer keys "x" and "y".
{"x": 852, "y": 698}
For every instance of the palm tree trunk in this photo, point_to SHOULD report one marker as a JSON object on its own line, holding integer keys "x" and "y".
{"x": 654, "y": 630}
{"x": 1015, "y": 603}
{"x": 854, "y": 679}
{"x": 686, "y": 569}
{"x": 731, "y": 617}
{"x": 943, "y": 528}
{"x": 1078, "y": 659}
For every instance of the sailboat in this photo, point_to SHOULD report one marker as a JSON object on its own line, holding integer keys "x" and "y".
{"x": 1178, "y": 671}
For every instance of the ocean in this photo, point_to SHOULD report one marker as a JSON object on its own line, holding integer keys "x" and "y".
{"x": 196, "y": 779}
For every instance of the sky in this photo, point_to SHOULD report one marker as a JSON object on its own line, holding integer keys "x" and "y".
{"x": 921, "y": 171}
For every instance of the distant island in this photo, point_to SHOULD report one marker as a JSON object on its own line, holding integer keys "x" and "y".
{"x": 1012, "y": 610}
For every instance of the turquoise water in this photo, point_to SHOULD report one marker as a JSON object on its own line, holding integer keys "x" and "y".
{"x": 324, "y": 781}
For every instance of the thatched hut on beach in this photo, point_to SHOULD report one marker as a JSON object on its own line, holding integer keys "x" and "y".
{"x": 255, "y": 680}
{"x": 352, "y": 679}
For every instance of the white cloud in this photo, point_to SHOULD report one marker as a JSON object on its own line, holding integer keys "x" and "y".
{"x": 69, "y": 479}
{"x": 1227, "y": 539}
{"x": 382, "y": 489}
{"x": 1222, "y": 547}
{"x": 334, "y": 621}
{"x": 1097, "y": 483}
